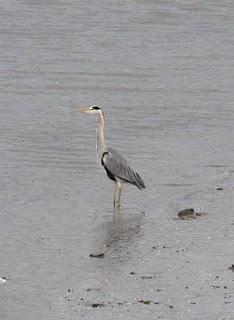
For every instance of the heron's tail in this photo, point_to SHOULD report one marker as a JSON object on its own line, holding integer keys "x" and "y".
{"x": 139, "y": 182}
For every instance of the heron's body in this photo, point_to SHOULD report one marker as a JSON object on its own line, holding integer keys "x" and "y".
{"x": 117, "y": 167}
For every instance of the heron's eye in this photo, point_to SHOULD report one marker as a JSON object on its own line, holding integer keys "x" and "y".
{"x": 96, "y": 108}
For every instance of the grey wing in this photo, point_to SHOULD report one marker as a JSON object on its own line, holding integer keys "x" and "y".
{"x": 117, "y": 166}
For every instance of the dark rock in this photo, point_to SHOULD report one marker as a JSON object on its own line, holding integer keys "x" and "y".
{"x": 187, "y": 214}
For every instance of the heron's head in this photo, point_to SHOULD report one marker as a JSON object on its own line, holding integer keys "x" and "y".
{"x": 92, "y": 110}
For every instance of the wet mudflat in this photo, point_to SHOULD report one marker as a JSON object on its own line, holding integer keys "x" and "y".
{"x": 164, "y": 71}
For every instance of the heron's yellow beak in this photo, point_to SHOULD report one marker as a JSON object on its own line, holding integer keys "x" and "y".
{"x": 82, "y": 109}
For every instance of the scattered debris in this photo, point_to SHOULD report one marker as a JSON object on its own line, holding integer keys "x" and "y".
{"x": 98, "y": 255}
{"x": 181, "y": 250}
{"x": 231, "y": 267}
{"x": 215, "y": 287}
{"x": 145, "y": 301}
{"x": 68, "y": 299}
{"x": 158, "y": 247}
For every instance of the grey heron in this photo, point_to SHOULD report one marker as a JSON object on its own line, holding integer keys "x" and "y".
{"x": 117, "y": 167}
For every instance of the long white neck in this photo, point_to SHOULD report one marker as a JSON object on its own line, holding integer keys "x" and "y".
{"x": 100, "y": 146}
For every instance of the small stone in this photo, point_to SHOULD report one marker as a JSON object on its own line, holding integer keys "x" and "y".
{"x": 98, "y": 255}
{"x": 93, "y": 289}
{"x": 2, "y": 280}
{"x": 96, "y": 305}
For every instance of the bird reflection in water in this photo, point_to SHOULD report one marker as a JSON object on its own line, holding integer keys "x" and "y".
{"x": 114, "y": 237}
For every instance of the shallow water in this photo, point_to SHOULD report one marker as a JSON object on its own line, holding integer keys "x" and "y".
{"x": 164, "y": 73}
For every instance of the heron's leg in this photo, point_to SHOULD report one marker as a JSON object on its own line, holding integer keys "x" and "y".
{"x": 119, "y": 187}
{"x": 115, "y": 189}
